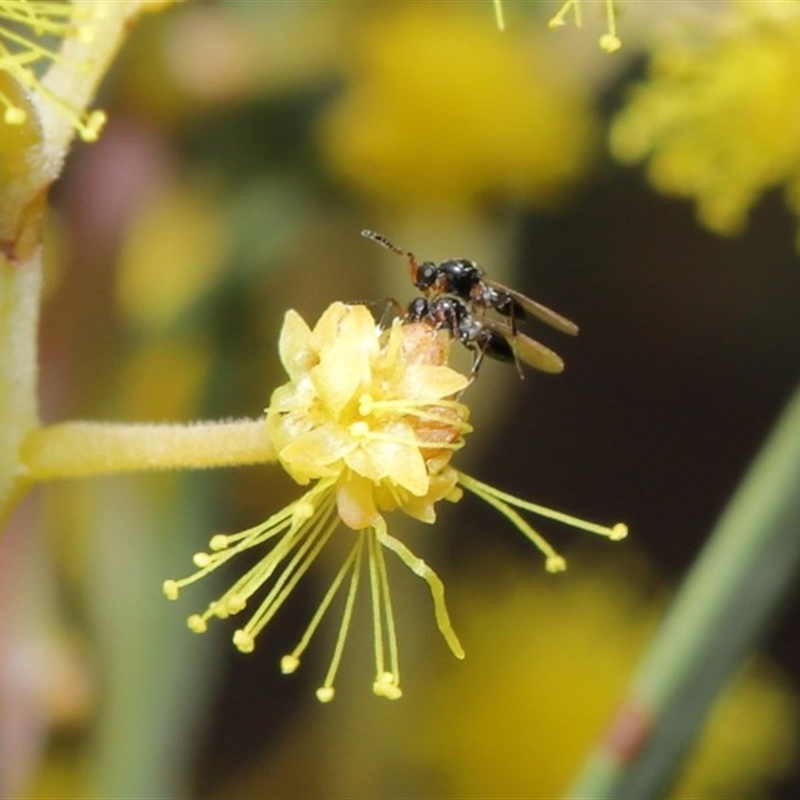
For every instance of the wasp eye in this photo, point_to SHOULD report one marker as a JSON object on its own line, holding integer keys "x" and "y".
{"x": 425, "y": 275}
{"x": 417, "y": 309}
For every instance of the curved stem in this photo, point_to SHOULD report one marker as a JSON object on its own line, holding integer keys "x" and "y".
{"x": 721, "y": 613}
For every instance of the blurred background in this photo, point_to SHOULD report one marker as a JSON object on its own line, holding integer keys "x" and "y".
{"x": 248, "y": 144}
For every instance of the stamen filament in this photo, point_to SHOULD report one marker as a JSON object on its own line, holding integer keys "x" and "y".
{"x": 313, "y": 542}
{"x": 420, "y": 568}
{"x": 374, "y": 585}
{"x": 557, "y": 19}
{"x": 394, "y": 660}
{"x": 553, "y": 561}
{"x": 483, "y": 490}
{"x": 290, "y": 662}
{"x": 325, "y": 692}
{"x": 498, "y": 13}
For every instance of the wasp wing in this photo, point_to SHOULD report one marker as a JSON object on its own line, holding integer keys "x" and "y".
{"x": 528, "y": 351}
{"x": 541, "y": 312}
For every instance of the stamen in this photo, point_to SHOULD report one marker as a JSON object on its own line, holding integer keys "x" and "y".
{"x": 384, "y": 678}
{"x": 615, "y": 532}
{"x": 313, "y": 540}
{"x": 420, "y": 568}
{"x": 326, "y": 691}
{"x": 382, "y": 613}
{"x": 375, "y": 592}
{"x": 386, "y": 685}
{"x": 290, "y": 662}
{"x": 553, "y": 561}
{"x": 609, "y": 41}
{"x": 558, "y": 20}
{"x": 498, "y": 14}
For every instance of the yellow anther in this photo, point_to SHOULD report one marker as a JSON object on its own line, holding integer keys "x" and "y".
{"x": 289, "y": 664}
{"x": 171, "y": 589}
{"x": 619, "y": 531}
{"x": 303, "y": 510}
{"x": 218, "y": 542}
{"x": 610, "y": 43}
{"x": 201, "y": 560}
{"x": 325, "y": 694}
{"x": 244, "y": 642}
{"x": 555, "y": 564}
{"x": 386, "y": 686}
{"x": 234, "y": 604}
{"x": 197, "y": 624}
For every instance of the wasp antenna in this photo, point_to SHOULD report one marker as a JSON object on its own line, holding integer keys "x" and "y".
{"x": 384, "y": 242}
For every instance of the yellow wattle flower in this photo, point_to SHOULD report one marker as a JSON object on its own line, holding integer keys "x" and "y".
{"x": 718, "y": 117}
{"x": 370, "y": 416}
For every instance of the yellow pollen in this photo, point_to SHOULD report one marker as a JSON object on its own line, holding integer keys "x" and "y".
{"x": 610, "y": 43}
{"x": 303, "y": 510}
{"x": 196, "y": 624}
{"x": 234, "y": 604}
{"x": 289, "y": 664}
{"x": 386, "y": 686}
{"x": 618, "y": 532}
{"x": 218, "y": 542}
{"x": 555, "y": 564}
{"x": 201, "y": 560}
{"x": 244, "y": 642}
{"x": 325, "y": 694}
{"x": 219, "y": 608}
{"x": 171, "y": 589}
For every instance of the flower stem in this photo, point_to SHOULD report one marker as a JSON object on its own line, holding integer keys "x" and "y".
{"x": 20, "y": 285}
{"x": 81, "y": 449}
{"x": 723, "y": 610}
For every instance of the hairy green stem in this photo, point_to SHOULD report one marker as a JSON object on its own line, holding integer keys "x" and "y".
{"x": 82, "y": 449}
{"x": 723, "y": 610}
{"x": 20, "y": 286}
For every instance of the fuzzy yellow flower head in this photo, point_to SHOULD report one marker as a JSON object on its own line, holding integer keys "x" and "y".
{"x": 718, "y": 118}
{"x": 440, "y": 109}
{"x": 370, "y": 410}
{"x": 370, "y": 416}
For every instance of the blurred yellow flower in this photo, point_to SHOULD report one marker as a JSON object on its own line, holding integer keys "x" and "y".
{"x": 718, "y": 119}
{"x": 181, "y": 227}
{"x": 517, "y": 719}
{"x": 441, "y": 108}
{"x": 372, "y": 416}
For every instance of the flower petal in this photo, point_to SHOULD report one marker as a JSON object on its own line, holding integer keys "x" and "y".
{"x": 355, "y": 501}
{"x": 315, "y": 454}
{"x": 345, "y": 357}
{"x": 293, "y": 346}
{"x": 429, "y": 382}
{"x": 395, "y": 457}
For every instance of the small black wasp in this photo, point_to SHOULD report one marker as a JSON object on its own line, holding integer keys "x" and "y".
{"x": 457, "y": 296}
